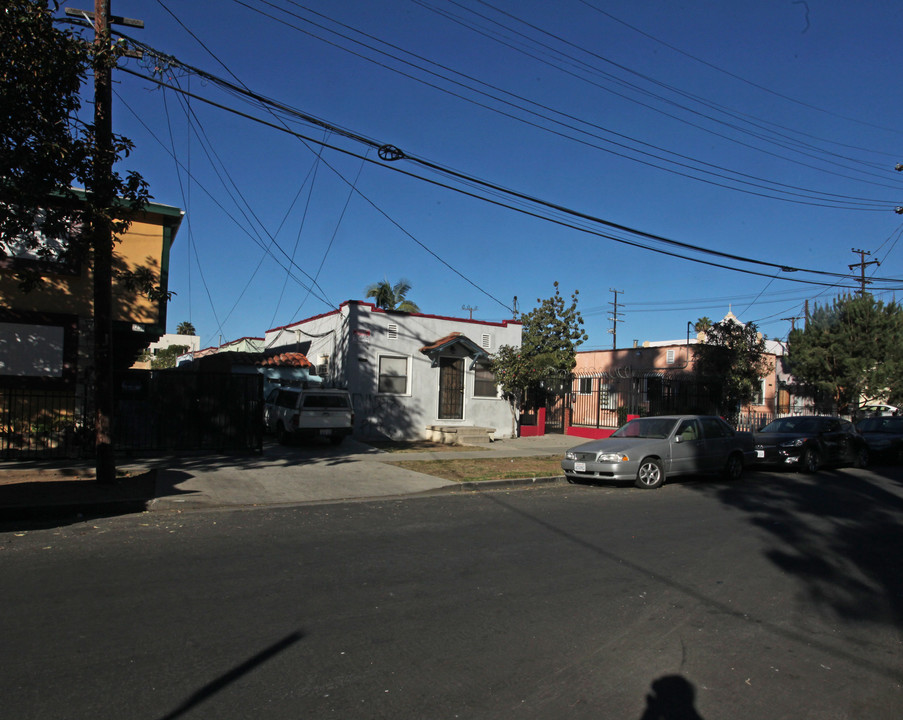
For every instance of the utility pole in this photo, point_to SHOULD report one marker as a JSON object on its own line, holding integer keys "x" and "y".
{"x": 862, "y": 264}
{"x": 792, "y": 321}
{"x": 614, "y": 317}
{"x": 102, "y": 197}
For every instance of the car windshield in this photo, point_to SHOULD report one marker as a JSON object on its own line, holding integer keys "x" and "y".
{"x": 646, "y": 428}
{"x": 794, "y": 425}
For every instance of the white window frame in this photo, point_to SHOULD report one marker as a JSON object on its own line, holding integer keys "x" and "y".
{"x": 484, "y": 367}
{"x": 669, "y": 356}
{"x": 407, "y": 376}
{"x": 608, "y": 396}
{"x": 759, "y": 399}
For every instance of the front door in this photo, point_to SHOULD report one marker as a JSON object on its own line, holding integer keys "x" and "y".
{"x": 451, "y": 388}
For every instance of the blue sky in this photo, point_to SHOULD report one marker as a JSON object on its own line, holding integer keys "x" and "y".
{"x": 767, "y": 131}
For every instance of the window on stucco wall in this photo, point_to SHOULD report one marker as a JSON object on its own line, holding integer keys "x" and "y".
{"x": 393, "y": 375}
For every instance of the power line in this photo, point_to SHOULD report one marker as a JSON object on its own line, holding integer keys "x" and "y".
{"x": 390, "y": 152}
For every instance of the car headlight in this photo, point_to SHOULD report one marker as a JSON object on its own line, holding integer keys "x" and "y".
{"x": 610, "y": 457}
{"x": 570, "y": 455}
{"x": 798, "y": 442}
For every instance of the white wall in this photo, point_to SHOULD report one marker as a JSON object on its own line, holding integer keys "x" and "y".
{"x": 357, "y": 335}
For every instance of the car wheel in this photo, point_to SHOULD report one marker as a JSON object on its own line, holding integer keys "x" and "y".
{"x": 733, "y": 469}
{"x": 809, "y": 462}
{"x": 650, "y": 474}
{"x": 336, "y": 439}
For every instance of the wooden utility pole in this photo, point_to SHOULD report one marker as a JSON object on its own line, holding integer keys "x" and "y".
{"x": 102, "y": 196}
{"x": 862, "y": 264}
{"x": 102, "y": 245}
{"x": 615, "y": 317}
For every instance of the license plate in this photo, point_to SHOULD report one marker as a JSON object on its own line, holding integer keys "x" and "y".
{"x": 579, "y": 467}
{"x": 326, "y": 431}
{"x": 760, "y": 453}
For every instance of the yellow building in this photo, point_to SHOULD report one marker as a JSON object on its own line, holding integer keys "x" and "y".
{"x": 46, "y": 333}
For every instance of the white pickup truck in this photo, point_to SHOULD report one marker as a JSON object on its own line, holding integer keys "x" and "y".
{"x": 307, "y": 413}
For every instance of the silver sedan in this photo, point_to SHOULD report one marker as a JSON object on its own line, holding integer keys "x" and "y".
{"x": 647, "y": 450}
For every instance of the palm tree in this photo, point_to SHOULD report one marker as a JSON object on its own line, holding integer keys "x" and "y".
{"x": 185, "y": 328}
{"x": 703, "y": 324}
{"x": 392, "y": 297}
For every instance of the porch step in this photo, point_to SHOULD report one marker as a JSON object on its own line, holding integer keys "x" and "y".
{"x": 460, "y": 434}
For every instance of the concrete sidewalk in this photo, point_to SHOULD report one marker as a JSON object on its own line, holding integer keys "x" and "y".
{"x": 281, "y": 475}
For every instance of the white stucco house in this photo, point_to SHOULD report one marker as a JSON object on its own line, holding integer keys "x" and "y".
{"x": 411, "y": 375}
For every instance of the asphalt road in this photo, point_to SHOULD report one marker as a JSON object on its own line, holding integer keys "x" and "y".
{"x": 780, "y": 596}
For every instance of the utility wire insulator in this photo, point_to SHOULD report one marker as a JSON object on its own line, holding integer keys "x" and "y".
{"x": 390, "y": 152}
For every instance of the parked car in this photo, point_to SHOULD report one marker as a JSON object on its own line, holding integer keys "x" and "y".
{"x": 647, "y": 450}
{"x": 884, "y": 437}
{"x": 878, "y": 410}
{"x": 808, "y": 442}
{"x": 308, "y": 413}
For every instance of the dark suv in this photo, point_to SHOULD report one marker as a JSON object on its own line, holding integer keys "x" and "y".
{"x": 807, "y": 442}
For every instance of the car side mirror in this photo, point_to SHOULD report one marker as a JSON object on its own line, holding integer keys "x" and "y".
{"x": 678, "y": 438}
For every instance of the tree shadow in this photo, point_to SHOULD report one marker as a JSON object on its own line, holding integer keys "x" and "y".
{"x": 44, "y": 499}
{"x": 837, "y": 531}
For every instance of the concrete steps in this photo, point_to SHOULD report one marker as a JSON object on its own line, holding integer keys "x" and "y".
{"x": 460, "y": 434}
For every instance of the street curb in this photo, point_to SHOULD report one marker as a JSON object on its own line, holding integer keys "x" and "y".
{"x": 497, "y": 484}
{"x": 128, "y": 506}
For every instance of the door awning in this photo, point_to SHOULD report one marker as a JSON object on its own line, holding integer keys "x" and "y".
{"x": 455, "y": 342}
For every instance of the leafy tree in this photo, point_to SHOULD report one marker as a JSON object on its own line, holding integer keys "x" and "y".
{"x": 849, "y": 352}
{"x": 46, "y": 148}
{"x": 185, "y": 328}
{"x": 552, "y": 332}
{"x": 733, "y": 355}
{"x": 392, "y": 297}
{"x": 550, "y": 336}
{"x": 166, "y": 358}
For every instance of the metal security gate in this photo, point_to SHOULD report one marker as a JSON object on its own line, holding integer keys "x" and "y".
{"x": 169, "y": 410}
{"x": 451, "y": 388}
{"x": 557, "y": 401}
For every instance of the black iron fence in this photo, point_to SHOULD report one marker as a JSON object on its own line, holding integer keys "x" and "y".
{"x": 156, "y": 411}
{"x": 38, "y": 424}
{"x": 605, "y": 401}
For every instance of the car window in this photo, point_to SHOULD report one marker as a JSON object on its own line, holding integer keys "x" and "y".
{"x": 688, "y": 430}
{"x": 287, "y": 399}
{"x": 271, "y": 395}
{"x": 781, "y": 425}
{"x": 647, "y": 428}
{"x": 713, "y": 427}
{"x": 325, "y": 401}
{"x": 869, "y": 425}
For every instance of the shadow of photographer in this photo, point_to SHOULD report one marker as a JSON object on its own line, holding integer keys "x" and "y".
{"x": 673, "y": 697}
